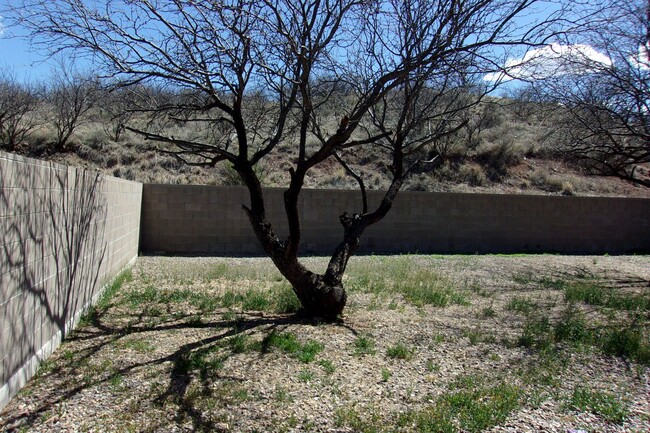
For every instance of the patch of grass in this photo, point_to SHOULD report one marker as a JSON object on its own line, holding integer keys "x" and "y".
{"x": 419, "y": 286}
{"x": 476, "y": 336}
{"x": 364, "y": 345}
{"x": 385, "y": 374}
{"x": 116, "y": 381}
{"x": 46, "y": 367}
{"x": 545, "y": 369}
{"x": 488, "y": 312}
{"x": 536, "y": 333}
{"x": 68, "y": 355}
{"x": 426, "y": 293}
{"x": 432, "y": 366}
{"x": 572, "y": 327}
{"x": 113, "y": 288}
{"x": 279, "y": 299}
{"x": 552, "y": 283}
{"x": 256, "y": 300}
{"x": 215, "y": 272}
{"x": 288, "y": 343}
{"x": 282, "y": 395}
{"x": 150, "y": 296}
{"x": 471, "y": 407}
{"x": 588, "y": 292}
{"x": 92, "y": 315}
{"x": 239, "y": 343}
{"x": 400, "y": 351}
{"x": 135, "y": 344}
{"x": 431, "y": 419}
{"x": 137, "y": 297}
{"x": 481, "y": 408}
{"x": 627, "y": 341}
{"x": 368, "y": 422}
{"x": 603, "y": 404}
{"x": 593, "y": 293}
{"x": 523, "y": 278}
{"x": 327, "y": 365}
{"x": 305, "y": 376}
{"x": 284, "y": 300}
{"x": 521, "y": 305}
{"x": 204, "y": 360}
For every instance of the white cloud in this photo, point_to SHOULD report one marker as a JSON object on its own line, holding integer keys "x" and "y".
{"x": 642, "y": 58}
{"x": 552, "y": 60}
{"x": 2, "y": 27}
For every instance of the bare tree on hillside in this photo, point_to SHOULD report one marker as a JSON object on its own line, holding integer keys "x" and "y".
{"x": 604, "y": 110}
{"x": 18, "y": 104}
{"x": 263, "y": 74}
{"x": 70, "y": 97}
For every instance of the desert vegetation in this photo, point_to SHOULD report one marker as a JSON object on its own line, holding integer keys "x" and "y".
{"x": 427, "y": 344}
{"x": 509, "y": 145}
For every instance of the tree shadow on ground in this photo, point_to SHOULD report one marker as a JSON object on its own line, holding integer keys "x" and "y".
{"x": 185, "y": 361}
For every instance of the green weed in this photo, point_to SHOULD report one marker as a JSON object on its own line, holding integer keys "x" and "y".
{"x": 488, "y": 312}
{"x": 284, "y": 299}
{"x": 327, "y": 365}
{"x": 400, "y": 351}
{"x": 552, "y": 283}
{"x": 305, "y": 376}
{"x": 282, "y": 395}
{"x": 536, "y": 333}
{"x": 370, "y": 422}
{"x": 256, "y": 300}
{"x": 239, "y": 343}
{"x": 627, "y": 341}
{"x": 603, "y": 404}
{"x": 135, "y": 344}
{"x": 432, "y": 366}
{"x": 204, "y": 360}
{"x": 592, "y": 293}
{"x": 572, "y": 327}
{"x": 92, "y": 315}
{"x": 364, "y": 345}
{"x": 288, "y": 343}
{"x": 521, "y": 305}
{"x": 471, "y": 407}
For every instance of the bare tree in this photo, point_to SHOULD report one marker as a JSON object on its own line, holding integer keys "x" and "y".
{"x": 117, "y": 107}
{"x": 18, "y": 103}
{"x": 268, "y": 73}
{"x": 603, "y": 108}
{"x": 70, "y": 97}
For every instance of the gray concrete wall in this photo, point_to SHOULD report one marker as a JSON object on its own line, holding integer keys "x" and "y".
{"x": 65, "y": 233}
{"x": 208, "y": 219}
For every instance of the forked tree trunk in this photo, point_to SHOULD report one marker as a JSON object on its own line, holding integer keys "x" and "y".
{"x": 322, "y": 296}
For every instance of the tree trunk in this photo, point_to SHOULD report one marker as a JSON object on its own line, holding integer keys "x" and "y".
{"x": 320, "y": 299}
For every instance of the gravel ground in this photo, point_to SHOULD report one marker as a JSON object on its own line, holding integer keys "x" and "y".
{"x": 189, "y": 344}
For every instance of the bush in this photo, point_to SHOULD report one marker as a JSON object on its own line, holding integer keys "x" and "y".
{"x": 473, "y": 175}
{"x": 497, "y": 158}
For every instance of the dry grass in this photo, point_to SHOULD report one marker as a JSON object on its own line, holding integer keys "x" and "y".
{"x": 510, "y": 152}
{"x": 427, "y": 343}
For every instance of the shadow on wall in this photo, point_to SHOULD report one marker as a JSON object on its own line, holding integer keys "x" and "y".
{"x": 53, "y": 252}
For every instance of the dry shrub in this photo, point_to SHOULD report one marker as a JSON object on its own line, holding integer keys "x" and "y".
{"x": 496, "y": 158}
{"x": 551, "y": 183}
{"x": 472, "y": 174}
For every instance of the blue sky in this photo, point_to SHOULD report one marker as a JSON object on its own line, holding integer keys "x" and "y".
{"x": 19, "y": 59}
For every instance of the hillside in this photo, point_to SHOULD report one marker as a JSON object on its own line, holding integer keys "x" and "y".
{"x": 510, "y": 149}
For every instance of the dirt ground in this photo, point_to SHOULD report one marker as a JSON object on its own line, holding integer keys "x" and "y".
{"x": 426, "y": 344}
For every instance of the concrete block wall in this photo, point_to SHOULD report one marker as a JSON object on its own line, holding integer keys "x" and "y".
{"x": 65, "y": 233}
{"x": 209, "y": 219}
